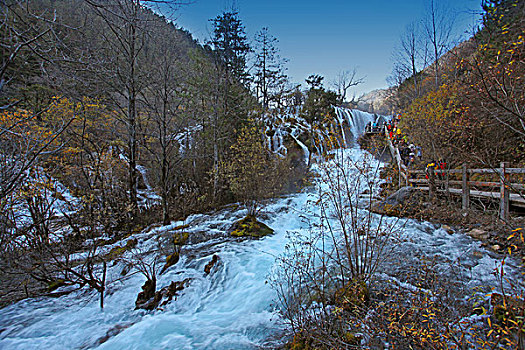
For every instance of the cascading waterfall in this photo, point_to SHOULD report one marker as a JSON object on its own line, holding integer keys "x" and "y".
{"x": 341, "y": 119}
{"x": 278, "y": 143}
{"x": 351, "y": 124}
{"x": 232, "y": 307}
{"x": 304, "y": 148}
{"x": 356, "y": 121}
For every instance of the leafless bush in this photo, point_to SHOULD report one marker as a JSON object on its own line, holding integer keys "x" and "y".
{"x": 323, "y": 274}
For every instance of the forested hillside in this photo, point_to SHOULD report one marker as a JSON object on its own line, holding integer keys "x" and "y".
{"x": 468, "y": 105}
{"x": 113, "y": 118}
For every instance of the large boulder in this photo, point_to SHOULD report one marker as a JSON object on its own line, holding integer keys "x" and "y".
{"x": 250, "y": 227}
{"x": 399, "y": 202}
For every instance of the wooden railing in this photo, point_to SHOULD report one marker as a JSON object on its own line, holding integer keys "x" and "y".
{"x": 440, "y": 181}
{"x": 437, "y": 180}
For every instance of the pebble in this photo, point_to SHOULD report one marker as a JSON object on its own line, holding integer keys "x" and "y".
{"x": 478, "y": 234}
{"x": 496, "y": 247}
{"x": 448, "y": 229}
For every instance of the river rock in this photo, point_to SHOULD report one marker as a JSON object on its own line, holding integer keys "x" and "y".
{"x": 396, "y": 203}
{"x": 495, "y": 247}
{"x": 146, "y": 298}
{"x": 171, "y": 260}
{"x": 478, "y": 234}
{"x": 477, "y": 254}
{"x": 126, "y": 269}
{"x": 112, "y": 332}
{"x": 448, "y": 229}
{"x": 214, "y": 260}
{"x": 168, "y": 293}
{"x": 250, "y": 227}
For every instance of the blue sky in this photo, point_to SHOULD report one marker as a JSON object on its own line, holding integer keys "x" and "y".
{"x": 327, "y": 36}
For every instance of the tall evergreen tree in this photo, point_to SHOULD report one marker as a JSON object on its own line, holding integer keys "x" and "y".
{"x": 229, "y": 99}
{"x": 269, "y": 68}
{"x": 231, "y": 44}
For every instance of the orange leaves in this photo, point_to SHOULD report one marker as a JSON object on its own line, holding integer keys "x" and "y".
{"x": 23, "y": 129}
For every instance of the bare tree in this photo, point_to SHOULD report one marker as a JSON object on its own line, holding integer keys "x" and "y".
{"x": 22, "y": 34}
{"x": 26, "y": 37}
{"x": 409, "y": 46}
{"x": 438, "y": 25}
{"x": 328, "y": 267}
{"x": 52, "y": 251}
{"x": 129, "y": 22}
{"x": 344, "y": 81}
{"x": 164, "y": 101}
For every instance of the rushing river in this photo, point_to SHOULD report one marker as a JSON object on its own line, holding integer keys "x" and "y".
{"x": 233, "y": 307}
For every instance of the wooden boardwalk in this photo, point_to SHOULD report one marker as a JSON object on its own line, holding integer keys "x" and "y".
{"x": 515, "y": 199}
{"x": 507, "y": 193}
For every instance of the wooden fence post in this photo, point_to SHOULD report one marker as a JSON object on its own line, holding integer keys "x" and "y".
{"x": 465, "y": 188}
{"x": 504, "y": 192}
{"x": 447, "y": 184}
{"x": 431, "y": 183}
{"x": 400, "y": 170}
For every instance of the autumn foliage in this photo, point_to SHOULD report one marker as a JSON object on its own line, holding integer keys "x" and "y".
{"x": 477, "y": 114}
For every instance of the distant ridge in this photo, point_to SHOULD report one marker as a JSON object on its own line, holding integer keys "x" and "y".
{"x": 377, "y": 101}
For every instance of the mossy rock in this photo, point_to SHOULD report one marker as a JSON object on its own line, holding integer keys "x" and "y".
{"x": 181, "y": 227}
{"x": 300, "y": 342}
{"x": 171, "y": 260}
{"x": 392, "y": 210}
{"x": 56, "y": 284}
{"x": 117, "y": 252}
{"x": 351, "y": 339}
{"x": 180, "y": 238}
{"x": 250, "y": 227}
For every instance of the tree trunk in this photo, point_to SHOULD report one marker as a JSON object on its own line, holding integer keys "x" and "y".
{"x": 132, "y": 113}
{"x": 103, "y": 285}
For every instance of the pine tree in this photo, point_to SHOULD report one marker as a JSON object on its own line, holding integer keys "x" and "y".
{"x": 230, "y": 43}
{"x": 269, "y": 68}
{"x": 229, "y": 97}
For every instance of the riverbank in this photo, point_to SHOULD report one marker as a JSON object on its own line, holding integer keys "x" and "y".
{"x": 481, "y": 221}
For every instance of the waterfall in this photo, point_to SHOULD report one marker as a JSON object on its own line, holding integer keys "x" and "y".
{"x": 341, "y": 119}
{"x": 305, "y": 149}
{"x": 357, "y": 121}
{"x": 278, "y": 143}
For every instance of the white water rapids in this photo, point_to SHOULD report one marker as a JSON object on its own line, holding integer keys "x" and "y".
{"x": 231, "y": 308}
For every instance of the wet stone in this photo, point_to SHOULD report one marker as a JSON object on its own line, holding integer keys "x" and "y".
{"x": 478, "y": 234}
